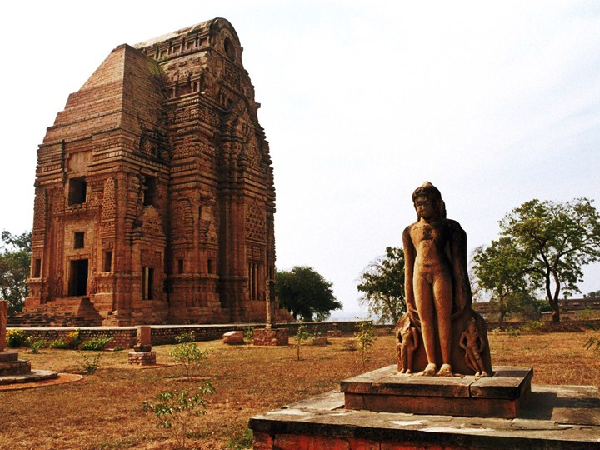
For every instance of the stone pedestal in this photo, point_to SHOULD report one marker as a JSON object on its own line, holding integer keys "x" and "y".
{"x": 11, "y": 365}
{"x": 274, "y": 337}
{"x": 502, "y": 395}
{"x": 142, "y": 358}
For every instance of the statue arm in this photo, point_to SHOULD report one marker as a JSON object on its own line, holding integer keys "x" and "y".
{"x": 462, "y": 287}
{"x": 409, "y": 263}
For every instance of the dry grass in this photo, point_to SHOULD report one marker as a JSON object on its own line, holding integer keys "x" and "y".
{"x": 104, "y": 410}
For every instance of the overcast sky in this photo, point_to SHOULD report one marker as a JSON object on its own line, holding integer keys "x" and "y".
{"x": 496, "y": 103}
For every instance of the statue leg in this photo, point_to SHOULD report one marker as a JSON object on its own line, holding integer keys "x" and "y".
{"x": 424, "y": 300}
{"x": 442, "y": 296}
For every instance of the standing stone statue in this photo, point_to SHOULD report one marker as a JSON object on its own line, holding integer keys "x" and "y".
{"x": 438, "y": 293}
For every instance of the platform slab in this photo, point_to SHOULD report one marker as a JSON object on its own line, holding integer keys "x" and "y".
{"x": 557, "y": 417}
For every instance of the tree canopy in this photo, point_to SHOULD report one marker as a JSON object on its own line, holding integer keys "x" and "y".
{"x": 306, "y": 294}
{"x": 382, "y": 285}
{"x": 501, "y": 270}
{"x": 15, "y": 261}
{"x": 544, "y": 245}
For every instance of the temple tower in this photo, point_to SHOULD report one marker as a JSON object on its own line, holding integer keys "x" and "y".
{"x": 154, "y": 190}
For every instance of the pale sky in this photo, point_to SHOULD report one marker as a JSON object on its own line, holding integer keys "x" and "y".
{"x": 496, "y": 103}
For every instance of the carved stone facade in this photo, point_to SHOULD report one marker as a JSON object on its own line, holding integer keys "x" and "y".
{"x": 154, "y": 190}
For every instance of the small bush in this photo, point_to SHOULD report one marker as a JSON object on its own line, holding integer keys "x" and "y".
{"x": 89, "y": 363}
{"x": 241, "y": 442}
{"x": 190, "y": 356}
{"x": 35, "y": 345}
{"x": 58, "y": 343}
{"x": 534, "y": 326}
{"x": 365, "y": 337}
{"x": 175, "y": 410}
{"x": 248, "y": 335}
{"x": 95, "y": 345}
{"x": 513, "y": 332}
{"x": 74, "y": 339}
{"x": 15, "y": 338}
{"x": 301, "y": 337}
{"x": 187, "y": 336}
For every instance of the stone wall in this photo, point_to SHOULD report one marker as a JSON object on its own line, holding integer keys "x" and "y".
{"x": 164, "y": 334}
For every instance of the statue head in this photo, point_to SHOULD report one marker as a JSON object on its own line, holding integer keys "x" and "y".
{"x": 427, "y": 201}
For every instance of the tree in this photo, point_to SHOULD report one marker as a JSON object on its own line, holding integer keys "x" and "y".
{"x": 502, "y": 270}
{"x": 15, "y": 261}
{"x": 382, "y": 285}
{"x": 556, "y": 240}
{"x": 306, "y": 294}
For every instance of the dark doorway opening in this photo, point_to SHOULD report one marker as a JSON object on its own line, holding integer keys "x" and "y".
{"x": 78, "y": 280}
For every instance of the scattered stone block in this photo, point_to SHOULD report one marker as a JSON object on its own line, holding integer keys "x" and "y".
{"x": 320, "y": 341}
{"x": 233, "y": 338}
{"x": 270, "y": 337}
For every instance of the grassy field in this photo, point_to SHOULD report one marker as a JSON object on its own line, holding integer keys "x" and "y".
{"x": 104, "y": 410}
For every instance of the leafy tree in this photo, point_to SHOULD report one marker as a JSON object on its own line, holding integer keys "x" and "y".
{"x": 306, "y": 294}
{"x": 593, "y": 294}
{"x": 382, "y": 285}
{"x": 556, "y": 240}
{"x": 502, "y": 270}
{"x": 15, "y": 261}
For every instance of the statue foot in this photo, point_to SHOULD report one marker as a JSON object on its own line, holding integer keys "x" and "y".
{"x": 445, "y": 371}
{"x": 484, "y": 374}
{"x": 429, "y": 370}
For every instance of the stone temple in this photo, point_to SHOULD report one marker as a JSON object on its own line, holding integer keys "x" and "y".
{"x": 154, "y": 195}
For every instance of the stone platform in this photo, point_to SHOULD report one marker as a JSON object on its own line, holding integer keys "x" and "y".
{"x": 11, "y": 365}
{"x": 29, "y": 377}
{"x": 556, "y": 417}
{"x": 501, "y": 395}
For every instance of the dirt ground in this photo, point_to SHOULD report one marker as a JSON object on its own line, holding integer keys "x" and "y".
{"x": 105, "y": 410}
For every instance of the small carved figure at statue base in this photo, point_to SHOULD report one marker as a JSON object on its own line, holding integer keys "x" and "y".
{"x": 473, "y": 345}
{"x": 407, "y": 343}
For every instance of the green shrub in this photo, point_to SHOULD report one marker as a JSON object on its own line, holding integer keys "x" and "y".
{"x": 187, "y": 336}
{"x": 302, "y": 335}
{"x": 513, "y": 332}
{"x": 175, "y": 410}
{"x": 96, "y": 344}
{"x": 35, "y": 344}
{"x": 74, "y": 339}
{"x": 365, "y": 338}
{"x": 248, "y": 335}
{"x": 89, "y": 363}
{"x": 58, "y": 343}
{"x": 241, "y": 442}
{"x": 534, "y": 326}
{"x": 15, "y": 337}
{"x": 190, "y": 356}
